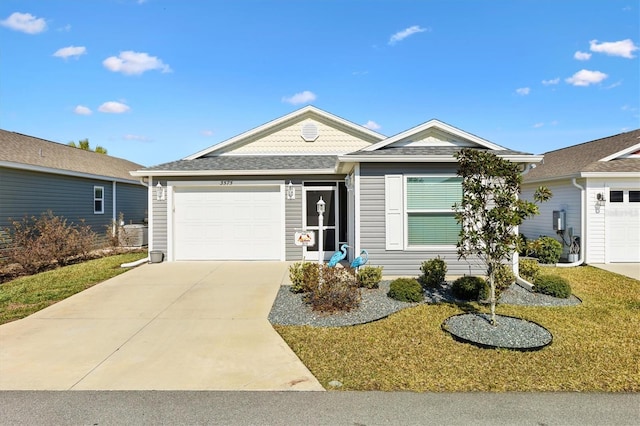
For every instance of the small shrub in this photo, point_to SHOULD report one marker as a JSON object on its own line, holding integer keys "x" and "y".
{"x": 39, "y": 243}
{"x": 370, "y": 276}
{"x": 303, "y": 276}
{"x": 553, "y": 285}
{"x": 406, "y": 290}
{"x": 503, "y": 277}
{"x": 470, "y": 287}
{"x": 337, "y": 291}
{"x": 433, "y": 273}
{"x": 548, "y": 250}
{"x": 529, "y": 269}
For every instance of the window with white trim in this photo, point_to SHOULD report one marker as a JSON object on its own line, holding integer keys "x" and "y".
{"x": 98, "y": 199}
{"x": 430, "y": 218}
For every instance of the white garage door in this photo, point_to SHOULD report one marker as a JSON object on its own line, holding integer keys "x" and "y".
{"x": 623, "y": 225}
{"x": 238, "y": 223}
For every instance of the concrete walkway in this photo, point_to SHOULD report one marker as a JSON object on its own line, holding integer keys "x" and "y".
{"x": 631, "y": 270}
{"x": 167, "y": 326}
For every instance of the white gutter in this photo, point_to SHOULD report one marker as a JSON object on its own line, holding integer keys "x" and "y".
{"x": 428, "y": 158}
{"x": 583, "y": 226}
{"x": 270, "y": 172}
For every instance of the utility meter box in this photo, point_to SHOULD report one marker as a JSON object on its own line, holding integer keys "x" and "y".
{"x": 559, "y": 220}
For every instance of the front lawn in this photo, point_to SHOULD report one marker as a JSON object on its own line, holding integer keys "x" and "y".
{"x": 596, "y": 346}
{"x": 24, "y": 296}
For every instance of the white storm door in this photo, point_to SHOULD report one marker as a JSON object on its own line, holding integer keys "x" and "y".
{"x": 312, "y": 195}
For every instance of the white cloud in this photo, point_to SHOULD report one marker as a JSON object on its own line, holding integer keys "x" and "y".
{"x": 25, "y": 22}
{"x": 134, "y": 63}
{"x": 523, "y": 91}
{"x": 372, "y": 125}
{"x": 551, "y": 82}
{"x": 401, "y": 35}
{"x": 582, "y": 56}
{"x": 70, "y": 51}
{"x": 538, "y": 125}
{"x": 207, "y": 133}
{"x": 300, "y": 98}
{"x": 138, "y": 138}
{"x": 113, "y": 107}
{"x": 586, "y": 78}
{"x": 82, "y": 110}
{"x": 624, "y": 48}
{"x": 65, "y": 29}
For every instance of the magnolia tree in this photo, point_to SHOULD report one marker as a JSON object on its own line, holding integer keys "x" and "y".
{"x": 490, "y": 211}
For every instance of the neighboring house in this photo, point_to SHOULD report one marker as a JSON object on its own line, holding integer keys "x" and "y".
{"x": 597, "y": 185}
{"x": 37, "y": 175}
{"x": 245, "y": 198}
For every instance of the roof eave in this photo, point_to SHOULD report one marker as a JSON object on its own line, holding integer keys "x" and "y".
{"x": 50, "y": 170}
{"x": 429, "y": 158}
{"x": 271, "y": 172}
{"x": 609, "y": 174}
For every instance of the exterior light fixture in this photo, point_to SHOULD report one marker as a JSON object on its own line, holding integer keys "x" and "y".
{"x": 348, "y": 182}
{"x": 291, "y": 192}
{"x": 160, "y": 192}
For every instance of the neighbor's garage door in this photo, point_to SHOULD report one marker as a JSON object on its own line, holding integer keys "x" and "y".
{"x": 228, "y": 223}
{"x": 623, "y": 225}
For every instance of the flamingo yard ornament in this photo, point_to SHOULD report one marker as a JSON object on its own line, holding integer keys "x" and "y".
{"x": 360, "y": 260}
{"x": 338, "y": 256}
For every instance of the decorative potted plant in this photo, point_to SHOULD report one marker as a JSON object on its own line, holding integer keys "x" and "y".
{"x": 574, "y": 250}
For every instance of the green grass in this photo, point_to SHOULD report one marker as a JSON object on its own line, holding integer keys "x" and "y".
{"x": 596, "y": 346}
{"x": 24, "y": 296}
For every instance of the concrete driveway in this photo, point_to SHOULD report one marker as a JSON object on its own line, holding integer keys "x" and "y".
{"x": 631, "y": 270}
{"x": 167, "y": 326}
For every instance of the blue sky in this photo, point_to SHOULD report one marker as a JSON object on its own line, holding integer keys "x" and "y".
{"x": 156, "y": 80}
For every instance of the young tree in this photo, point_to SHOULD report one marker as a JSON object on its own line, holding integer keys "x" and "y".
{"x": 84, "y": 144}
{"x": 490, "y": 210}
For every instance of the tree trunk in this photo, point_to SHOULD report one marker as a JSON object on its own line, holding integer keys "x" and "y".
{"x": 492, "y": 285}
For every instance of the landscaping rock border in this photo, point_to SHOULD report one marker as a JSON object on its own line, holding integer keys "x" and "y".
{"x": 508, "y": 333}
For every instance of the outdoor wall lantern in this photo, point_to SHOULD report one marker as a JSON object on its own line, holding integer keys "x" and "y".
{"x": 320, "y": 206}
{"x": 348, "y": 182}
{"x": 600, "y": 199}
{"x": 291, "y": 192}
{"x": 160, "y": 192}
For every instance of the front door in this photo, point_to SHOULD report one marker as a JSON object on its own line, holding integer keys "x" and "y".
{"x": 312, "y": 195}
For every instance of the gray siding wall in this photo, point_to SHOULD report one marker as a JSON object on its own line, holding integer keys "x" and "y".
{"x": 27, "y": 193}
{"x": 293, "y": 222}
{"x": 293, "y": 209}
{"x": 132, "y": 202}
{"x": 372, "y": 224}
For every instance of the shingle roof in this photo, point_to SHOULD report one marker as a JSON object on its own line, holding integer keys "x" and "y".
{"x": 29, "y": 150}
{"x": 250, "y": 163}
{"x": 585, "y": 157}
{"x": 427, "y": 151}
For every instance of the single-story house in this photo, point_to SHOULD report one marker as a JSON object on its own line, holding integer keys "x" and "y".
{"x": 596, "y": 197}
{"x": 38, "y": 175}
{"x": 251, "y": 196}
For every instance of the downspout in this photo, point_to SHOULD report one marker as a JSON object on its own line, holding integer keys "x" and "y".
{"x": 583, "y": 227}
{"x": 516, "y": 265}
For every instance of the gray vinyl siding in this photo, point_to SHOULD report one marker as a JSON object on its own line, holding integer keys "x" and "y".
{"x": 293, "y": 222}
{"x": 131, "y": 201}
{"x": 372, "y": 224}
{"x": 159, "y": 221}
{"x": 28, "y": 193}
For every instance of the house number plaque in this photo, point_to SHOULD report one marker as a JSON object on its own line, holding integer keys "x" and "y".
{"x": 226, "y": 182}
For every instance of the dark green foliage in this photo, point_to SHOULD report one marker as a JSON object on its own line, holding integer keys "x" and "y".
{"x": 503, "y": 277}
{"x": 529, "y": 269}
{"x": 553, "y": 285}
{"x": 336, "y": 290}
{"x": 470, "y": 287}
{"x": 548, "y": 250}
{"x": 369, "y": 276}
{"x": 303, "y": 276}
{"x": 406, "y": 290}
{"x": 433, "y": 273}
{"x": 41, "y": 243}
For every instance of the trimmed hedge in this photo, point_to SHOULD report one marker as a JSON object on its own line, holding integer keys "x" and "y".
{"x": 470, "y": 287}
{"x": 406, "y": 290}
{"x": 552, "y": 285}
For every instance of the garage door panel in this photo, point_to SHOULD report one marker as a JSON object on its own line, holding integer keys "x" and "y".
{"x": 623, "y": 232}
{"x": 228, "y": 224}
